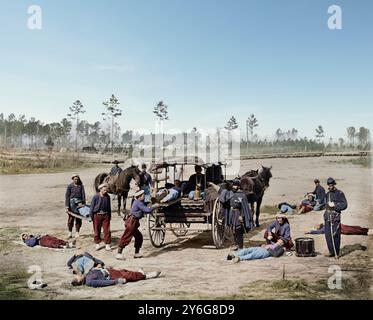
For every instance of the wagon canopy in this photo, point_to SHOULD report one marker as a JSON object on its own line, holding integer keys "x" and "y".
{"x": 188, "y": 160}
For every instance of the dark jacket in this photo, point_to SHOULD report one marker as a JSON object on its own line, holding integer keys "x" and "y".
{"x": 96, "y": 278}
{"x": 194, "y": 179}
{"x": 32, "y": 241}
{"x": 320, "y": 194}
{"x": 74, "y": 191}
{"x": 86, "y": 254}
{"x": 97, "y": 205}
{"x": 281, "y": 230}
{"x": 115, "y": 170}
{"x": 139, "y": 208}
{"x": 237, "y": 200}
{"x": 339, "y": 199}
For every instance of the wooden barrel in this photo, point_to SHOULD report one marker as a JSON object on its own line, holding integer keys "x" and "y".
{"x": 305, "y": 247}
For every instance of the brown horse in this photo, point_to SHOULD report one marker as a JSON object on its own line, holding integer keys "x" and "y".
{"x": 120, "y": 184}
{"x": 253, "y": 184}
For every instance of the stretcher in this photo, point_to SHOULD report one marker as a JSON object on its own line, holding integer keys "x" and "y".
{"x": 79, "y": 216}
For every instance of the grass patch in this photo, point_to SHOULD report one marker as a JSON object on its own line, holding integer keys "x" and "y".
{"x": 7, "y": 235}
{"x": 356, "y": 287}
{"x": 41, "y": 163}
{"x": 269, "y": 209}
{"x": 364, "y": 161}
{"x": 13, "y": 284}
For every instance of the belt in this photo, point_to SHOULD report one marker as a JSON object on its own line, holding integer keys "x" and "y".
{"x": 101, "y": 212}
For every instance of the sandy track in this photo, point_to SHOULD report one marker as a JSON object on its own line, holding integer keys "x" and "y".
{"x": 191, "y": 266}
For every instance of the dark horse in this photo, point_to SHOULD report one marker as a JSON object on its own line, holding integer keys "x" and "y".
{"x": 120, "y": 184}
{"x": 253, "y": 184}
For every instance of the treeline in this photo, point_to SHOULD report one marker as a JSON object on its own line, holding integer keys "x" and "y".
{"x": 23, "y": 133}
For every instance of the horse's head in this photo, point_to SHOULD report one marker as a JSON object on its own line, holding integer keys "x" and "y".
{"x": 135, "y": 174}
{"x": 265, "y": 174}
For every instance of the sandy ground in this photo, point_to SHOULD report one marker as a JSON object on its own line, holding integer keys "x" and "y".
{"x": 191, "y": 266}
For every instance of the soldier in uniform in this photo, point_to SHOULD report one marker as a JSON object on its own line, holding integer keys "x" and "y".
{"x": 336, "y": 203}
{"x": 116, "y": 169}
{"x": 239, "y": 215}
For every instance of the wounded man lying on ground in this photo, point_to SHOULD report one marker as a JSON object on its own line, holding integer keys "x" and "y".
{"x": 46, "y": 241}
{"x": 265, "y": 251}
{"x": 99, "y": 276}
{"x": 345, "y": 229}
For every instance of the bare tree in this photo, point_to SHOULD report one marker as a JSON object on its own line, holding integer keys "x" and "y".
{"x": 112, "y": 112}
{"x": 75, "y": 111}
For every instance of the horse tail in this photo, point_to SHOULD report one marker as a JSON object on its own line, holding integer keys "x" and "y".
{"x": 99, "y": 179}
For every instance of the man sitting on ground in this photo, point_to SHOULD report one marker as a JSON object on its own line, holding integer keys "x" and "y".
{"x": 46, "y": 241}
{"x": 307, "y": 204}
{"x": 320, "y": 195}
{"x": 278, "y": 232}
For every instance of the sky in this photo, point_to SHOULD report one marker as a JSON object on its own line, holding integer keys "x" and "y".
{"x": 207, "y": 60}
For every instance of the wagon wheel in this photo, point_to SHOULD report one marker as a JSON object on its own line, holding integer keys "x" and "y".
{"x": 157, "y": 229}
{"x": 218, "y": 225}
{"x": 180, "y": 229}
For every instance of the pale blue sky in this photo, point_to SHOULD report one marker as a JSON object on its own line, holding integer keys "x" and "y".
{"x": 207, "y": 60}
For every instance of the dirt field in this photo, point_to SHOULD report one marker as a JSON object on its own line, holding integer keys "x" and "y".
{"x": 191, "y": 266}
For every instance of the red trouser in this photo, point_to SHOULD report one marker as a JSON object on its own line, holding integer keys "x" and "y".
{"x": 130, "y": 276}
{"x": 101, "y": 221}
{"x": 354, "y": 230}
{"x": 70, "y": 223}
{"x": 275, "y": 237}
{"x": 131, "y": 230}
{"x": 51, "y": 242}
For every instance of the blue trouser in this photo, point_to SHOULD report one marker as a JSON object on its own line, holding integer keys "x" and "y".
{"x": 252, "y": 253}
{"x": 192, "y": 193}
{"x": 287, "y": 209}
{"x": 319, "y": 206}
{"x": 147, "y": 193}
{"x": 332, "y": 225}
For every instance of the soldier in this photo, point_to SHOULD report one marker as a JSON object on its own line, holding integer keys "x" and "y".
{"x": 240, "y": 216}
{"x": 336, "y": 203}
{"x": 74, "y": 193}
{"x": 116, "y": 169}
{"x": 147, "y": 183}
{"x": 132, "y": 224}
{"x": 100, "y": 213}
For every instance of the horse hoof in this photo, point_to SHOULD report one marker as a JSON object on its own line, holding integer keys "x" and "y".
{"x": 257, "y": 225}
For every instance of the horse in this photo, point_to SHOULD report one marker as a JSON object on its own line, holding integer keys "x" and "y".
{"x": 253, "y": 184}
{"x": 120, "y": 185}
